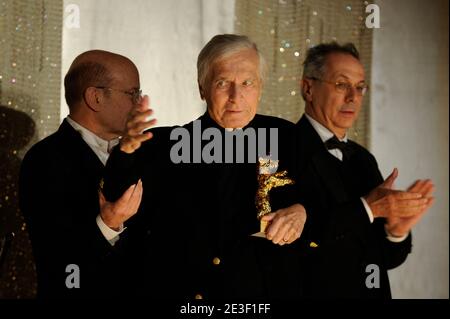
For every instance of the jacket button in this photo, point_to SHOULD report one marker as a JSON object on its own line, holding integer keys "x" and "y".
{"x": 216, "y": 261}
{"x": 198, "y": 296}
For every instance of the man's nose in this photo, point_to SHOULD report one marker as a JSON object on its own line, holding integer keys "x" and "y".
{"x": 350, "y": 94}
{"x": 234, "y": 92}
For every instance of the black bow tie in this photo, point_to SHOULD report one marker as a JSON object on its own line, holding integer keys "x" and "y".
{"x": 344, "y": 147}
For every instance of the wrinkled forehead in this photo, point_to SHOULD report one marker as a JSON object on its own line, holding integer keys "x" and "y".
{"x": 244, "y": 62}
{"x": 343, "y": 65}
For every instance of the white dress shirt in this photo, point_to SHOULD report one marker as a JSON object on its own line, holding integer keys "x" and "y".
{"x": 325, "y": 134}
{"x": 102, "y": 149}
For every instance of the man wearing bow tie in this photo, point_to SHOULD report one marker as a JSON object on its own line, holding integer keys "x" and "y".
{"x": 358, "y": 225}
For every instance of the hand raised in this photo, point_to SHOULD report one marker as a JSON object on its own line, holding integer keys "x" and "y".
{"x": 138, "y": 121}
{"x": 114, "y": 214}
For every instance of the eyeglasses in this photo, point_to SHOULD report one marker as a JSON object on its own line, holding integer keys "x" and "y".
{"x": 135, "y": 94}
{"x": 345, "y": 87}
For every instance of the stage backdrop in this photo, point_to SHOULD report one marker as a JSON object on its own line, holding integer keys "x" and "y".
{"x": 406, "y": 124}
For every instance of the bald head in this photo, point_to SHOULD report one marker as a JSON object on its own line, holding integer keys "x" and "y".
{"x": 92, "y": 68}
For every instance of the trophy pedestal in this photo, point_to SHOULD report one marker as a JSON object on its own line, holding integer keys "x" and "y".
{"x": 262, "y": 230}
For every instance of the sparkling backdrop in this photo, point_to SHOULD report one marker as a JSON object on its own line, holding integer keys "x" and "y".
{"x": 30, "y": 79}
{"x": 285, "y": 29}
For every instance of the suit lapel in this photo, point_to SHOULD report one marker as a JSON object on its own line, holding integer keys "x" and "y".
{"x": 323, "y": 162}
{"x": 80, "y": 152}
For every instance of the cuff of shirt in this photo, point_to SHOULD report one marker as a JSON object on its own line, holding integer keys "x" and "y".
{"x": 110, "y": 235}
{"x": 368, "y": 210}
{"x": 393, "y": 238}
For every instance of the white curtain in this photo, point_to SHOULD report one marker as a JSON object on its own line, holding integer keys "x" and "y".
{"x": 163, "y": 38}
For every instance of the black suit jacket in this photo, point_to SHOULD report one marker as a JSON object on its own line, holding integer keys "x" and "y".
{"x": 338, "y": 223}
{"x": 196, "y": 220}
{"x": 59, "y": 184}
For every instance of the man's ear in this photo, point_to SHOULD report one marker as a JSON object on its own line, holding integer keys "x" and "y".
{"x": 306, "y": 87}
{"x": 93, "y": 98}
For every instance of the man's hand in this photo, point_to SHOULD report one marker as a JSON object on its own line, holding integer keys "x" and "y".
{"x": 387, "y": 202}
{"x": 286, "y": 225}
{"x": 401, "y": 226}
{"x": 115, "y": 214}
{"x": 138, "y": 121}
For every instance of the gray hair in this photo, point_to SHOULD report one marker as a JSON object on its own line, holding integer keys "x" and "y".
{"x": 314, "y": 65}
{"x": 221, "y": 46}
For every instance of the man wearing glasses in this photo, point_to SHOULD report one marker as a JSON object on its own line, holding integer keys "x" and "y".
{"x": 75, "y": 236}
{"x": 358, "y": 226}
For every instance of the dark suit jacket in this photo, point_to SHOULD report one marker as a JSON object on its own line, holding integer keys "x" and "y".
{"x": 194, "y": 213}
{"x": 338, "y": 223}
{"x": 59, "y": 184}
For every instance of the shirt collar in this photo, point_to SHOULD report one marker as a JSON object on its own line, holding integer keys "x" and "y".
{"x": 324, "y": 133}
{"x": 95, "y": 142}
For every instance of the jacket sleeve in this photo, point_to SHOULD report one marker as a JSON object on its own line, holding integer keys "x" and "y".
{"x": 351, "y": 218}
{"x": 122, "y": 170}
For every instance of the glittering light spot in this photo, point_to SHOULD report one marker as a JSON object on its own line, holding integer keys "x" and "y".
{"x": 48, "y": 116}
{"x": 13, "y": 64}
{"x": 29, "y": 77}
{"x": 272, "y": 31}
{"x": 296, "y": 53}
{"x": 293, "y": 93}
{"x": 283, "y": 65}
{"x": 32, "y": 110}
{"x": 307, "y": 40}
{"x": 13, "y": 80}
{"x": 42, "y": 121}
{"x": 6, "y": 197}
{"x": 281, "y": 49}
{"x": 1, "y": 77}
{"x": 280, "y": 79}
{"x": 287, "y": 45}
{"x": 366, "y": 3}
{"x": 348, "y": 8}
{"x": 9, "y": 102}
{"x": 260, "y": 12}
{"x": 14, "y": 152}
{"x": 314, "y": 13}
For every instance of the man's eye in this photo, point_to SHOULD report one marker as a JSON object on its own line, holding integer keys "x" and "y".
{"x": 341, "y": 86}
{"x": 247, "y": 82}
{"x": 361, "y": 88}
{"x": 222, "y": 84}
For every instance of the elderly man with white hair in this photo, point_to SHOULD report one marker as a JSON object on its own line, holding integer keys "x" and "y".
{"x": 193, "y": 230}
